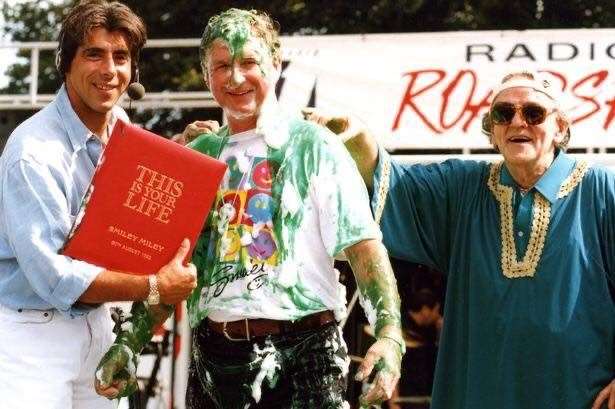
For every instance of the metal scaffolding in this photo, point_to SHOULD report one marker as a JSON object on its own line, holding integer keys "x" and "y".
{"x": 152, "y": 100}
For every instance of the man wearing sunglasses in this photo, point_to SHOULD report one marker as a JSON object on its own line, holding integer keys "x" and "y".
{"x": 526, "y": 244}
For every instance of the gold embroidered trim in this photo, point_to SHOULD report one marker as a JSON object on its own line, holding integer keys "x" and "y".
{"x": 512, "y": 268}
{"x": 383, "y": 189}
{"x": 573, "y": 179}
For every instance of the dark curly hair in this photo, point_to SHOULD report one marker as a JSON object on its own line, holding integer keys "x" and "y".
{"x": 89, "y": 15}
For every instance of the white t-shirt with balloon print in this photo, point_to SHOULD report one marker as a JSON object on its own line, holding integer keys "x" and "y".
{"x": 283, "y": 272}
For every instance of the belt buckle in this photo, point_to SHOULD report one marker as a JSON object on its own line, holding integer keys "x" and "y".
{"x": 230, "y": 338}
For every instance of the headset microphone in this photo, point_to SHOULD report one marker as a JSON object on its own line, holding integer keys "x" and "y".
{"x": 135, "y": 90}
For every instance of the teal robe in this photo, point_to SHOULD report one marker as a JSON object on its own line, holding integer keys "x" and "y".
{"x": 521, "y": 331}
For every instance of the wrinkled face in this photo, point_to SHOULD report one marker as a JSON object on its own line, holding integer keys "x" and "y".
{"x": 522, "y": 143}
{"x": 98, "y": 74}
{"x": 240, "y": 83}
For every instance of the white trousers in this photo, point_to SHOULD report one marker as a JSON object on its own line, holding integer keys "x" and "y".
{"x": 47, "y": 361}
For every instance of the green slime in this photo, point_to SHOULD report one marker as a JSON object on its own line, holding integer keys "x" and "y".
{"x": 121, "y": 360}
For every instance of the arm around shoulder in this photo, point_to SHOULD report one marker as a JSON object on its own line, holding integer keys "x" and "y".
{"x": 364, "y": 151}
{"x": 359, "y": 141}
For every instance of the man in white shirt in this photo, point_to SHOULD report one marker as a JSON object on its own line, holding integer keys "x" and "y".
{"x": 268, "y": 299}
{"x": 53, "y": 325}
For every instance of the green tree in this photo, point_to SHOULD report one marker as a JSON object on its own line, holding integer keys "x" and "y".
{"x": 32, "y": 21}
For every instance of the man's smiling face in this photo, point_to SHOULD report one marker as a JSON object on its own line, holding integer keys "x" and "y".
{"x": 522, "y": 143}
{"x": 240, "y": 83}
{"x": 98, "y": 74}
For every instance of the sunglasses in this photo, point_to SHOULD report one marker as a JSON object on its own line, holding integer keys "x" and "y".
{"x": 502, "y": 113}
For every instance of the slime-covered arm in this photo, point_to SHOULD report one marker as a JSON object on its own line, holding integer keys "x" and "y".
{"x": 380, "y": 300}
{"x": 116, "y": 372}
{"x": 359, "y": 141}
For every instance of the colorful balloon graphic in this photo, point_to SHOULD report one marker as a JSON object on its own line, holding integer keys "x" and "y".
{"x": 263, "y": 246}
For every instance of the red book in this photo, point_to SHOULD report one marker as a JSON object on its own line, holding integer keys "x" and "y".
{"x": 147, "y": 194}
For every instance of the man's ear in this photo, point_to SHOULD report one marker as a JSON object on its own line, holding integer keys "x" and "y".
{"x": 562, "y": 127}
{"x": 206, "y": 81}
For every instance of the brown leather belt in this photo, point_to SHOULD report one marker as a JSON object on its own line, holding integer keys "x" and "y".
{"x": 246, "y": 329}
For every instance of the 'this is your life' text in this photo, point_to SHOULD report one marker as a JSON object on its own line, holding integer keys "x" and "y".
{"x": 153, "y": 194}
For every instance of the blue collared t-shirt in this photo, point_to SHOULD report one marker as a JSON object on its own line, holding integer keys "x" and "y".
{"x": 529, "y": 319}
{"x": 45, "y": 170}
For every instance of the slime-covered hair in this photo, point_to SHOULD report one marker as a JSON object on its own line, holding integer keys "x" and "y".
{"x": 235, "y": 27}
